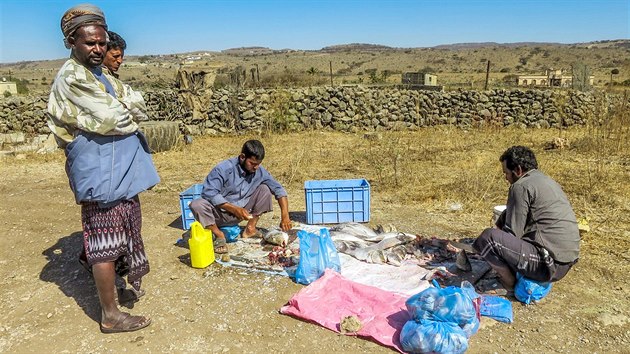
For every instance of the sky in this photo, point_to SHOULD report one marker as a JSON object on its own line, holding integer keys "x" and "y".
{"x": 29, "y": 29}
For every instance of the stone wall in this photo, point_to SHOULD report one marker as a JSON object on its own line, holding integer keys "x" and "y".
{"x": 341, "y": 108}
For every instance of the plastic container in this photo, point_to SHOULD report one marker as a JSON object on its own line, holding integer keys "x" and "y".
{"x": 496, "y": 213}
{"x": 185, "y": 197}
{"x": 200, "y": 245}
{"x": 337, "y": 201}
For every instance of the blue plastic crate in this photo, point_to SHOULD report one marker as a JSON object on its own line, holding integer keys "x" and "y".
{"x": 185, "y": 197}
{"x": 337, "y": 201}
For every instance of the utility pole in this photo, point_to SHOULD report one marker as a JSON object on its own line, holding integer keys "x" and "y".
{"x": 331, "y": 75}
{"x": 485, "y": 86}
{"x": 257, "y": 75}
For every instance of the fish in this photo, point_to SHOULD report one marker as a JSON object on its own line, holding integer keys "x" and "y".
{"x": 358, "y": 250}
{"x": 373, "y": 253}
{"x": 382, "y": 236}
{"x": 462, "y": 261}
{"x": 276, "y": 237}
{"x": 396, "y": 255}
{"x": 347, "y": 246}
{"x": 356, "y": 229}
{"x": 342, "y": 236}
{"x": 376, "y": 256}
{"x": 392, "y": 239}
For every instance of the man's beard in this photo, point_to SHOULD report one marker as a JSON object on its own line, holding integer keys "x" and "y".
{"x": 242, "y": 163}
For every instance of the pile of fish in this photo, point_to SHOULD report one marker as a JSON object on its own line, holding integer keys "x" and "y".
{"x": 283, "y": 252}
{"x": 385, "y": 245}
{"x": 388, "y": 246}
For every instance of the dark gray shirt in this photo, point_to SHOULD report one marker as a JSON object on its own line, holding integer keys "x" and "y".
{"x": 539, "y": 212}
{"x": 229, "y": 183}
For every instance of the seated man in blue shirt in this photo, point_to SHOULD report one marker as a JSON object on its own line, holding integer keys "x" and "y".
{"x": 239, "y": 189}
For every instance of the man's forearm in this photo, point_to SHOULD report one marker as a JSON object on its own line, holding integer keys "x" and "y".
{"x": 230, "y": 208}
{"x": 283, "y": 202}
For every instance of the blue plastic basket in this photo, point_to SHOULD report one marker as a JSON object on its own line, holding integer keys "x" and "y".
{"x": 337, "y": 201}
{"x": 185, "y": 197}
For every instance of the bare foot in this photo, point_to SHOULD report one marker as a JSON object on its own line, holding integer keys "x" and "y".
{"x": 251, "y": 233}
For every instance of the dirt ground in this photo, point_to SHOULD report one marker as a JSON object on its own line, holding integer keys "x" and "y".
{"x": 49, "y": 302}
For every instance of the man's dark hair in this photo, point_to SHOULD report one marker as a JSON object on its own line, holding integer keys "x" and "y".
{"x": 253, "y": 148}
{"x": 519, "y": 156}
{"x": 115, "y": 41}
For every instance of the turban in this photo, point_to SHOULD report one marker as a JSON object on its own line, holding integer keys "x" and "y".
{"x": 81, "y": 15}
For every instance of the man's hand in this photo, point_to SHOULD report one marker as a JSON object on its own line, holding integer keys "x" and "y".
{"x": 124, "y": 122}
{"x": 138, "y": 115}
{"x": 239, "y": 212}
{"x": 285, "y": 224}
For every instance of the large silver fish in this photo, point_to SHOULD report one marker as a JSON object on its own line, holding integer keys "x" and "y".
{"x": 392, "y": 239}
{"x": 342, "y": 236}
{"x": 374, "y": 252}
{"x": 356, "y": 229}
{"x": 276, "y": 236}
{"x": 347, "y": 246}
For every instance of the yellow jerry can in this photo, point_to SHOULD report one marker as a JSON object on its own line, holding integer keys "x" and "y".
{"x": 200, "y": 245}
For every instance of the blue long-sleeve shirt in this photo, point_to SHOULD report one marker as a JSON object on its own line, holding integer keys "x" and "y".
{"x": 229, "y": 183}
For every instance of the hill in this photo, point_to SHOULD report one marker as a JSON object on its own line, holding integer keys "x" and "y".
{"x": 456, "y": 65}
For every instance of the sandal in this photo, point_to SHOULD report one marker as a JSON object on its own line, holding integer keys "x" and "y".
{"x": 127, "y": 323}
{"x": 220, "y": 246}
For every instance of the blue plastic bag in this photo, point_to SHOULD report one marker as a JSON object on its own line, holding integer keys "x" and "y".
{"x": 527, "y": 290}
{"x": 317, "y": 252}
{"x": 231, "y": 232}
{"x": 429, "y": 336}
{"x": 451, "y": 304}
{"x": 497, "y": 308}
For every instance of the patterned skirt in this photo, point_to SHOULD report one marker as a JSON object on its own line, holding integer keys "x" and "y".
{"x": 112, "y": 234}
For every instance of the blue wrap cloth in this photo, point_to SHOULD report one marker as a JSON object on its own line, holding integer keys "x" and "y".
{"x": 109, "y": 168}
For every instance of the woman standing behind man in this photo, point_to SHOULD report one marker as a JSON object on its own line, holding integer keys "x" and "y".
{"x": 94, "y": 116}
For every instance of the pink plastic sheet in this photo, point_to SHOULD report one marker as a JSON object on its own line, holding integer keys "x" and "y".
{"x": 332, "y": 297}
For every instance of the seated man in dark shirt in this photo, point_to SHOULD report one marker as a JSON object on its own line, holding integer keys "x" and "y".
{"x": 537, "y": 235}
{"x": 239, "y": 189}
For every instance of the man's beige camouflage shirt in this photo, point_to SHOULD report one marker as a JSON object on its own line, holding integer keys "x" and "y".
{"x": 78, "y": 101}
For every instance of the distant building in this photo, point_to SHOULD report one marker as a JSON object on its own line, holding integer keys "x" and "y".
{"x": 8, "y": 86}
{"x": 420, "y": 81}
{"x": 552, "y": 78}
{"x": 419, "y": 78}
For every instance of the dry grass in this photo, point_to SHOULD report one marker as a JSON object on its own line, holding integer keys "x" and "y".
{"x": 431, "y": 169}
{"x": 434, "y": 168}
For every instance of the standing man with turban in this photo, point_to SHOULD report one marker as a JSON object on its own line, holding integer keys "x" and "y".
{"x": 94, "y": 116}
